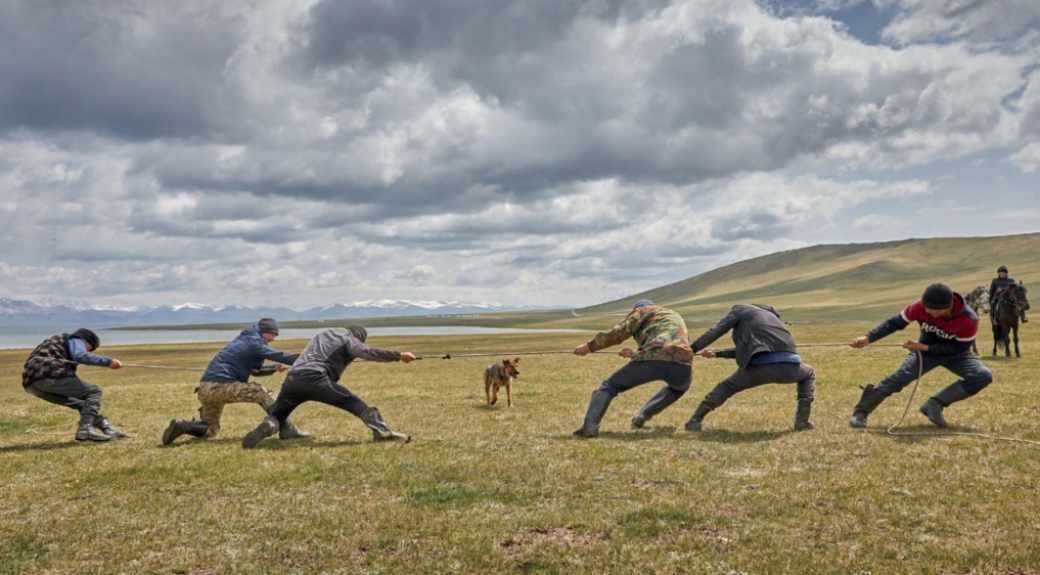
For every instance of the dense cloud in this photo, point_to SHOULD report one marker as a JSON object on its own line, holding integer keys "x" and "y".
{"x": 535, "y": 152}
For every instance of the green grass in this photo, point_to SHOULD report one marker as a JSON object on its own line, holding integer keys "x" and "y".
{"x": 510, "y": 491}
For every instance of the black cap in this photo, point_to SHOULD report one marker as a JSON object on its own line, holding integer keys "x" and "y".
{"x": 87, "y": 336}
{"x": 268, "y": 325}
{"x": 937, "y": 296}
{"x": 359, "y": 332}
{"x": 1002, "y": 269}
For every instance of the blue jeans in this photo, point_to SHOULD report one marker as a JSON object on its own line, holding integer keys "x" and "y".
{"x": 677, "y": 376}
{"x": 755, "y": 375}
{"x": 973, "y": 373}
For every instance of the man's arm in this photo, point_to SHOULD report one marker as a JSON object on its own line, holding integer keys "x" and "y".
{"x": 79, "y": 353}
{"x": 271, "y": 354}
{"x": 362, "y": 351}
{"x": 618, "y": 334}
{"x": 720, "y": 329}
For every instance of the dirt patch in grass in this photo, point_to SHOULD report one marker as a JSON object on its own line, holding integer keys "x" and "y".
{"x": 558, "y": 537}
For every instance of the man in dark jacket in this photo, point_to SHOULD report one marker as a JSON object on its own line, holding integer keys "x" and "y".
{"x": 996, "y": 288}
{"x": 765, "y": 353}
{"x": 315, "y": 377}
{"x": 948, "y": 327}
{"x": 663, "y": 355}
{"x": 50, "y": 374}
{"x": 226, "y": 380}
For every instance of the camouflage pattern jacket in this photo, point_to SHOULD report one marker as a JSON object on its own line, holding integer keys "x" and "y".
{"x": 660, "y": 332}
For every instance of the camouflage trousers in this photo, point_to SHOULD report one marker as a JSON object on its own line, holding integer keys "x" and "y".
{"x": 214, "y": 396}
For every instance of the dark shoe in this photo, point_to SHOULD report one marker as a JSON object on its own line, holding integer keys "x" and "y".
{"x": 101, "y": 422}
{"x": 933, "y": 408}
{"x": 597, "y": 408}
{"x": 694, "y": 424}
{"x": 868, "y": 402}
{"x": 179, "y": 427}
{"x": 380, "y": 430}
{"x": 658, "y": 403}
{"x": 289, "y": 431}
{"x": 267, "y": 428}
{"x": 87, "y": 431}
{"x": 1025, "y": 319}
{"x": 801, "y": 417}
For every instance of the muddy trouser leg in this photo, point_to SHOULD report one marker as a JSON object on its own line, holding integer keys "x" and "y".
{"x": 212, "y": 407}
{"x": 71, "y": 392}
{"x": 677, "y": 378}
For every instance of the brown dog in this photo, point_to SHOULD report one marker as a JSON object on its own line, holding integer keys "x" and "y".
{"x": 498, "y": 374}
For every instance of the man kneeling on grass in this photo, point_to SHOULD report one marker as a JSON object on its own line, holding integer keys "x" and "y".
{"x": 947, "y": 329}
{"x": 315, "y": 377}
{"x": 765, "y": 353}
{"x": 226, "y": 381}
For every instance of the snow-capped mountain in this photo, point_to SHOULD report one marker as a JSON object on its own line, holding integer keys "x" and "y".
{"x": 25, "y": 313}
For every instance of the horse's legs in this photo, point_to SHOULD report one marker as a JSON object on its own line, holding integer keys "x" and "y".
{"x": 997, "y": 337}
{"x": 1015, "y": 330}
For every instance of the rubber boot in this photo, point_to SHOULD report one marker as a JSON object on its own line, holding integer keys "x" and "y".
{"x": 101, "y": 422}
{"x": 380, "y": 430}
{"x": 658, "y": 403}
{"x": 267, "y": 428}
{"x": 933, "y": 408}
{"x": 597, "y": 408}
{"x": 868, "y": 402}
{"x": 694, "y": 424}
{"x": 801, "y": 417}
{"x": 87, "y": 431}
{"x": 289, "y": 431}
{"x": 179, "y": 427}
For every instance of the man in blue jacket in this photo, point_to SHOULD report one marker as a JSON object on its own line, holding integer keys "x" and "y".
{"x": 50, "y": 374}
{"x": 226, "y": 380}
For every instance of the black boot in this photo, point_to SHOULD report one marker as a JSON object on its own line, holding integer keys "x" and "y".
{"x": 694, "y": 424}
{"x": 179, "y": 427}
{"x": 658, "y": 403}
{"x": 289, "y": 431}
{"x": 933, "y": 408}
{"x": 801, "y": 417}
{"x": 87, "y": 431}
{"x": 1024, "y": 318}
{"x": 101, "y": 422}
{"x": 380, "y": 430}
{"x": 267, "y": 428}
{"x": 868, "y": 402}
{"x": 597, "y": 408}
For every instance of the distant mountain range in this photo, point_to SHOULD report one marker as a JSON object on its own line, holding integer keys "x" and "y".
{"x": 26, "y": 313}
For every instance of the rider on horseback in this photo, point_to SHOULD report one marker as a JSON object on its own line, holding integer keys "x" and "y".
{"x": 996, "y": 288}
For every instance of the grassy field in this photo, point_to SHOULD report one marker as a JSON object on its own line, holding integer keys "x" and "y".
{"x": 510, "y": 490}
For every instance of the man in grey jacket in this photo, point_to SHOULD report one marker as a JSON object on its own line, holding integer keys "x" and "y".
{"x": 315, "y": 377}
{"x": 765, "y": 353}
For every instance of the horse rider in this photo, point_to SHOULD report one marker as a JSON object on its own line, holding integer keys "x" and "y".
{"x": 996, "y": 288}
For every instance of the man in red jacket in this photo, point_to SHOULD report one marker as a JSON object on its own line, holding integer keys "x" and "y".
{"x": 948, "y": 327}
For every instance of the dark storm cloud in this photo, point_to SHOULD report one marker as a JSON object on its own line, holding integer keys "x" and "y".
{"x": 128, "y": 69}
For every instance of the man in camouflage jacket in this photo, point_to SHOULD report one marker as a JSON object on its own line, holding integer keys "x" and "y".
{"x": 664, "y": 354}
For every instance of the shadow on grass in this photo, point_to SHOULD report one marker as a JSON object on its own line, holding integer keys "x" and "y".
{"x": 924, "y": 432}
{"x": 724, "y": 436}
{"x": 639, "y": 435}
{"x": 42, "y": 446}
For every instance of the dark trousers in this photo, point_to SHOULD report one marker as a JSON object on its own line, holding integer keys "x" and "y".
{"x": 973, "y": 373}
{"x": 302, "y": 386}
{"x": 71, "y": 392}
{"x": 677, "y": 376}
{"x": 761, "y": 374}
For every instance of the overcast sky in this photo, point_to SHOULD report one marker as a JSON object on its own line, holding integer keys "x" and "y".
{"x": 549, "y": 152}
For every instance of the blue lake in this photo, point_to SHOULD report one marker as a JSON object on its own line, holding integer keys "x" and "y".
{"x": 29, "y": 338}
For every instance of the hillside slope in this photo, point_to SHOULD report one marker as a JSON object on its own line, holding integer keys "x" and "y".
{"x": 834, "y": 283}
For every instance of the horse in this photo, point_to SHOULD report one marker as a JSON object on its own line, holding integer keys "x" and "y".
{"x": 978, "y": 300}
{"x": 1005, "y": 317}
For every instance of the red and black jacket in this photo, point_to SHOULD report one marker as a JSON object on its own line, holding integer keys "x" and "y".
{"x": 949, "y": 335}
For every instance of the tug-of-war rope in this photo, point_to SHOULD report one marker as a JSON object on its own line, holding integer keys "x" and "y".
{"x": 890, "y": 430}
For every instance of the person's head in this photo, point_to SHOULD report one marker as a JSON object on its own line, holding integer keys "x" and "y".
{"x": 1002, "y": 272}
{"x": 938, "y": 300}
{"x": 90, "y": 338}
{"x": 359, "y": 332}
{"x": 268, "y": 329}
{"x": 642, "y": 303}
